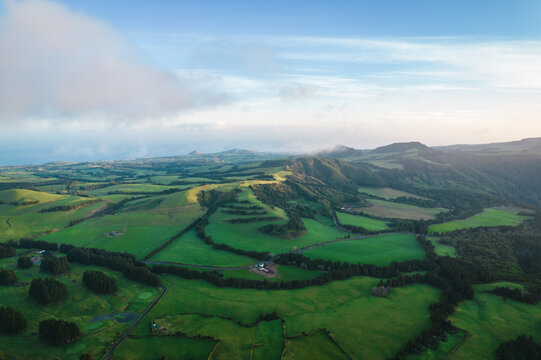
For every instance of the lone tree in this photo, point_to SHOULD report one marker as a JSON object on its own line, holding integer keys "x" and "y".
{"x": 55, "y": 265}
{"x": 99, "y": 283}
{"x": 59, "y": 332}
{"x": 47, "y": 291}
{"x": 11, "y": 321}
{"x": 24, "y": 262}
{"x": 7, "y": 277}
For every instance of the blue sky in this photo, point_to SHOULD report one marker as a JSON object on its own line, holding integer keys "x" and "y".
{"x": 117, "y": 79}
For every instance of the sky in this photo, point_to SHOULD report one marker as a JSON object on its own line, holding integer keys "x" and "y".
{"x": 103, "y": 80}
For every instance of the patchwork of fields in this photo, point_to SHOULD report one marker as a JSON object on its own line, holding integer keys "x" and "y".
{"x": 178, "y": 218}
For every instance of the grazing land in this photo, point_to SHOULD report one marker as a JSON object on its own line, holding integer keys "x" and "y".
{"x": 490, "y": 319}
{"x": 387, "y": 193}
{"x": 362, "y": 221}
{"x": 489, "y": 217}
{"x": 246, "y": 260}
{"x": 387, "y": 209}
{"x": 377, "y": 250}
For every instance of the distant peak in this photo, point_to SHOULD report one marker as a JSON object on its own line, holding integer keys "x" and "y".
{"x": 401, "y": 147}
{"x": 195, "y": 152}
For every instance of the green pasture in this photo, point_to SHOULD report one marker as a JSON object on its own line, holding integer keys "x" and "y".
{"x": 236, "y": 341}
{"x": 362, "y": 221}
{"x": 142, "y": 231}
{"x": 246, "y": 236}
{"x": 172, "y": 347}
{"x": 80, "y": 307}
{"x": 189, "y": 249}
{"x": 387, "y": 193}
{"x": 491, "y": 320}
{"x": 316, "y": 346}
{"x": 388, "y": 209}
{"x": 23, "y": 221}
{"x": 128, "y": 188}
{"x": 489, "y": 217}
{"x": 24, "y": 195}
{"x": 378, "y": 250}
{"x": 364, "y": 325}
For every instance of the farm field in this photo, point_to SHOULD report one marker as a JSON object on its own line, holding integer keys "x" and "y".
{"x": 171, "y": 347}
{"x": 490, "y": 320}
{"x": 362, "y": 221}
{"x": 489, "y": 217}
{"x": 387, "y": 209}
{"x": 378, "y": 250}
{"x": 316, "y": 346}
{"x": 189, "y": 249}
{"x": 442, "y": 249}
{"x": 387, "y": 193}
{"x": 142, "y": 229}
{"x": 80, "y": 307}
{"x": 338, "y": 306}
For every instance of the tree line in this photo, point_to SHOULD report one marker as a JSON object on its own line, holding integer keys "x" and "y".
{"x": 59, "y": 332}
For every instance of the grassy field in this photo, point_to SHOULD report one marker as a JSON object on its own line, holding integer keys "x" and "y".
{"x": 490, "y": 320}
{"x": 444, "y": 348}
{"x": 23, "y": 221}
{"x": 80, "y": 307}
{"x": 378, "y": 250}
{"x": 489, "y": 217}
{"x": 387, "y": 193}
{"x": 172, "y": 347}
{"x": 189, "y": 249}
{"x": 362, "y": 221}
{"x": 246, "y": 236}
{"x": 317, "y": 347}
{"x": 387, "y": 209}
{"x": 346, "y": 308}
{"x": 140, "y": 231}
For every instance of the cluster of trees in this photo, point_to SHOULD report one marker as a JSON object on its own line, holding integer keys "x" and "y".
{"x": 292, "y": 229}
{"x": 99, "y": 282}
{"x": 59, "y": 332}
{"x": 124, "y": 262}
{"x": 11, "y": 321}
{"x": 244, "y": 212}
{"x": 24, "y": 262}
{"x": 55, "y": 265}
{"x": 7, "y": 251}
{"x": 252, "y": 219}
{"x": 69, "y": 207}
{"x": 516, "y": 294}
{"x": 8, "y": 277}
{"x": 20, "y": 203}
{"x": 214, "y": 198}
{"x": 242, "y": 208}
{"x": 47, "y": 291}
{"x": 522, "y": 348}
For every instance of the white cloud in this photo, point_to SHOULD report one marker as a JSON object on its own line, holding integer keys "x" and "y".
{"x": 62, "y": 64}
